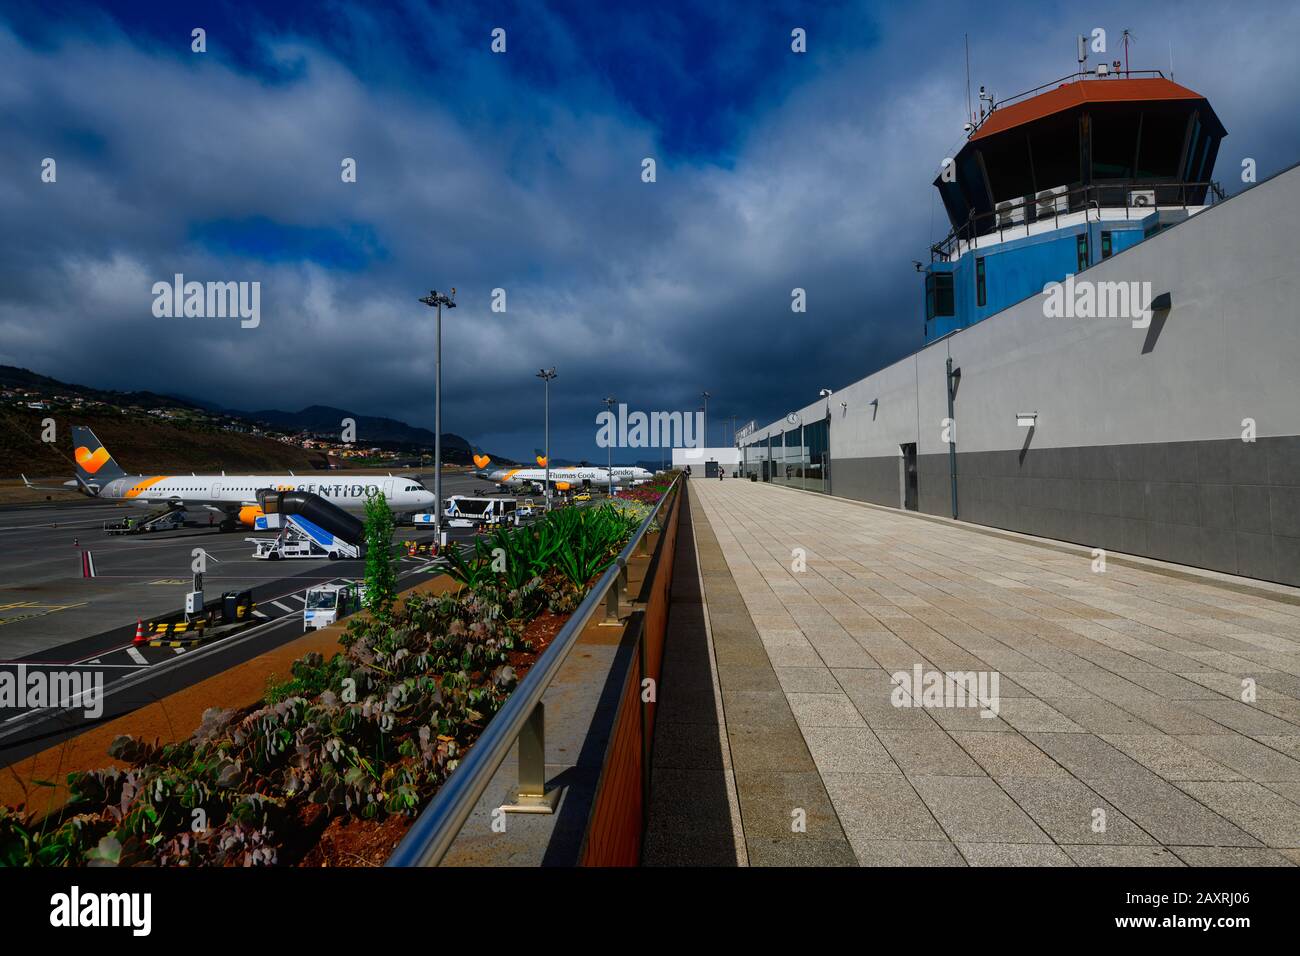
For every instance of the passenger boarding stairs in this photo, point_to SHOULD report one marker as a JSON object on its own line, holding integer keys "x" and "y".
{"x": 309, "y": 526}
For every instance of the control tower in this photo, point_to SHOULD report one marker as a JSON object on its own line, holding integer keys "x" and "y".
{"x": 1058, "y": 178}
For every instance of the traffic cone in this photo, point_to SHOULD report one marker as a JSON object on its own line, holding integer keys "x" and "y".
{"x": 139, "y": 631}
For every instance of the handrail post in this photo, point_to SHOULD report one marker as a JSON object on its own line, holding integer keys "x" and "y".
{"x": 531, "y": 796}
{"x": 612, "y": 605}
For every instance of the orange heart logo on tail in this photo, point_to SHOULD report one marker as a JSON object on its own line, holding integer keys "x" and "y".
{"x": 541, "y": 461}
{"x": 481, "y": 460}
{"x": 91, "y": 462}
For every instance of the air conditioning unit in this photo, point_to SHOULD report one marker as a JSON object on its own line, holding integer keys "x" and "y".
{"x": 1051, "y": 201}
{"x": 1009, "y": 213}
{"x": 1144, "y": 198}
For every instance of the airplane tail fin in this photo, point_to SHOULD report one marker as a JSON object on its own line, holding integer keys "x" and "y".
{"x": 481, "y": 462}
{"x": 94, "y": 464}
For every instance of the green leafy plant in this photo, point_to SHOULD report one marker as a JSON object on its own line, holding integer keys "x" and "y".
{"x": 381, "y": 566}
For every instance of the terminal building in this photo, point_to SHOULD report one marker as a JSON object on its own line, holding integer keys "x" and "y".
{"x": 1111, "y": 348}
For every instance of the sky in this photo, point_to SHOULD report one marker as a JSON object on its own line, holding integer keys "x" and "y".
{"x": 522, "y": 171}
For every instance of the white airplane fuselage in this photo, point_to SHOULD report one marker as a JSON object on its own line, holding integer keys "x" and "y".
{"x": 589, "y": 475}
{"x": 231, "y": 493}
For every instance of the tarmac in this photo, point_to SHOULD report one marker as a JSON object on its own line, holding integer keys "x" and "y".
{"x": 48, "y": 610}
{"x": 54, "y": 620}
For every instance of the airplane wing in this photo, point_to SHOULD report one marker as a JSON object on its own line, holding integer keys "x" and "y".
{"x": 66, "y": 486}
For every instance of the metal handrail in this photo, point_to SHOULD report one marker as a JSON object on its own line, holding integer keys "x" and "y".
{"x": 438, "y": 825}
{"x": 969, "y": 231}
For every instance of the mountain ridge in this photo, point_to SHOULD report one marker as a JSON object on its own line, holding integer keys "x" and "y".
{"x": 322, "y": 420}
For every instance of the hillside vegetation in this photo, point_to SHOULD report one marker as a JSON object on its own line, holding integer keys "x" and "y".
{"x": 141, "y": 446}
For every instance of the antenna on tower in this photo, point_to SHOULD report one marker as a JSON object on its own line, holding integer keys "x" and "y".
{"x": 1127, "y": 36}
{"x": 1083, "y": 51}
{"x": 970, "y": 113}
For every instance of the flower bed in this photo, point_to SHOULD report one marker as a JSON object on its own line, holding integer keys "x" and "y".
{"x": 363, "y": 738}
{"x": 646, "y": 494}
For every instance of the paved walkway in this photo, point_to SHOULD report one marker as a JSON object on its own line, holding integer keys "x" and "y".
{"x": 1120, "y": 735}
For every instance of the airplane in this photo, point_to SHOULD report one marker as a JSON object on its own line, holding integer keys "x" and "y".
{"x": 564, "y": 478}
{"x": 232, "y": 496}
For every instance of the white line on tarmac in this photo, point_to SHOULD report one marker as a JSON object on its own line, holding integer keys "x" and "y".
{"x": 283, "y": 607}
{"x": 135, "y": 655}
{"x": 40, "y": 665}
{"x": 151, "y": 672}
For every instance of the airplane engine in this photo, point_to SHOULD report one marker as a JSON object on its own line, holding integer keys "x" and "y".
{"x": 249, "y": 514}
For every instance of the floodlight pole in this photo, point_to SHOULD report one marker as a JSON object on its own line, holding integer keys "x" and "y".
{"x": 706, "y": 418}
{"x": 436, "y": 299}
{"x": 546, "y": 375}
{"x": 609, "y": 404}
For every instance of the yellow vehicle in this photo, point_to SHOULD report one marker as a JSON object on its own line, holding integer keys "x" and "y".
{"x": 583, "y": 496}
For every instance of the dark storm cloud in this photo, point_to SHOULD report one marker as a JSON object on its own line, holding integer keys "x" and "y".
{"x": 525, "y": 175}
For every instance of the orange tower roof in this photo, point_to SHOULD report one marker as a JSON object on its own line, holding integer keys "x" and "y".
{"x": 1077, "y": 93}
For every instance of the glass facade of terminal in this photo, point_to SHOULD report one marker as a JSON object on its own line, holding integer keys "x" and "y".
{"x": 799, "y": 457}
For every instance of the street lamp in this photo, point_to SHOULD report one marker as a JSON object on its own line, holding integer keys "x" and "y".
{"x": 705, "y": 409}
{"x": 436, "y": 299}
{"x": 546, "y": 375}
{"x": 609, "y": 404}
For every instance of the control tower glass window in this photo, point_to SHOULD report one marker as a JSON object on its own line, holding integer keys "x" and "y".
{"x": 1055, "y": 145}
{"x": 1161, "y": 148}
{"x": 939, "y": 300}
{"x": 1114, "y": 144}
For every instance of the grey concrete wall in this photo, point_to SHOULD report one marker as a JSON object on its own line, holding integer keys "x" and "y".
{"x": 1138, "y": 443}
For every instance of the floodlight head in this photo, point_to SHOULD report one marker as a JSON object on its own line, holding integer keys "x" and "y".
{"x": 436, "y": 298}
{"x": 824, "y": 393}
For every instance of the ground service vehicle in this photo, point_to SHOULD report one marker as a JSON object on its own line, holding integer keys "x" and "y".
{"x": 327, "y": 603}
{"x": 464, "y": 512}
